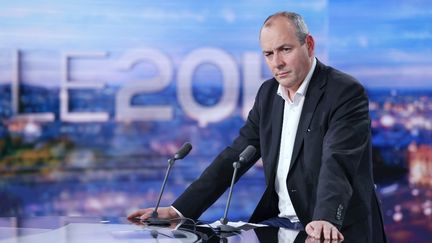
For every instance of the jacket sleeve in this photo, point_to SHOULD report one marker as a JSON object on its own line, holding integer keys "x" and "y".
{"x": 216, "y": 178}
{"x": 346, "y": 145}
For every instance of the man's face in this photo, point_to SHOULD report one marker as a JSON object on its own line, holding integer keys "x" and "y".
{"x": 288, "y": 60}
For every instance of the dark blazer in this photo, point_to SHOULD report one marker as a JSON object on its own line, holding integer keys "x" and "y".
{"x": 330, "y": 176}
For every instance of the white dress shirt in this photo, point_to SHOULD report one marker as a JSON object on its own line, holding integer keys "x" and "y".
{"x": 291, "y": 117}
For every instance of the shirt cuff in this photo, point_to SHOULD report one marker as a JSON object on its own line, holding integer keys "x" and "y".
{"x": 178, "y": 212}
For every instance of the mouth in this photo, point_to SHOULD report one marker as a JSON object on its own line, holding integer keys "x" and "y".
{"x": 282, "y": 74}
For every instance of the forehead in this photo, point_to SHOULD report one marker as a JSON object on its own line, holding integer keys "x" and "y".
{"x": 277, "y": 31}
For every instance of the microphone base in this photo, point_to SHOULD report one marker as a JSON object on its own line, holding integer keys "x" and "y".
{"x": 158, "y": 222}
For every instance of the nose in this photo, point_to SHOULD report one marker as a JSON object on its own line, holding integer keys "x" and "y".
{"x": 278, "y": 61}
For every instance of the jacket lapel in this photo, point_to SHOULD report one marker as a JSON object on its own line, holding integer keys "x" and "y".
{"x": 313, "y": 95}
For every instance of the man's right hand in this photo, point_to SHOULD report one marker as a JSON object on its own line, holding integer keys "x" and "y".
{"x": 163, "y": 213}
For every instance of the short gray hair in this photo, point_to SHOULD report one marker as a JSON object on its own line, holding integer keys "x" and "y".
{"x": 301, "y": 28}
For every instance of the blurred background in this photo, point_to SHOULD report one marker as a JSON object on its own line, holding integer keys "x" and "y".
{"x": 96, "y": 95}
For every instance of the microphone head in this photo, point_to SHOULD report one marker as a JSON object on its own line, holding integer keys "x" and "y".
{"x": 247, "y": 154}
{"x": 183, "y": 151}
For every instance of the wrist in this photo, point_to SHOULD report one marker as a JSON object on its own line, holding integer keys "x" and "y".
{"x": 172, "y": 213}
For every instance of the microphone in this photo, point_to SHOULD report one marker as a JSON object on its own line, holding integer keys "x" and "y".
{"x": 181, "y": 153}
{"x": 247, "y": 154}
{"x": 244, "y": 157}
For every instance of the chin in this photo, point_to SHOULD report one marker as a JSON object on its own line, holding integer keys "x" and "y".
{"x": 286, "y": 83}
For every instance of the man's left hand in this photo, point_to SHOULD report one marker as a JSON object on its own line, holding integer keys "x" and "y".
{"x": 321, "y": 229}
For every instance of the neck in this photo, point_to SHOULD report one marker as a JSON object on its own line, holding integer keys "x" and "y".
{"x": 291, "y": 91}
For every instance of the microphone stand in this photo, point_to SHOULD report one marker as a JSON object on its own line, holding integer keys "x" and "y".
{"x": 226, "y": 230}
{"x": 154, "y": 220}
{"x": 224, "y": 227}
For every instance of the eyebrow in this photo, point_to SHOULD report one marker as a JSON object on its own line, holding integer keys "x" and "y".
{"x": 278, "y": 48}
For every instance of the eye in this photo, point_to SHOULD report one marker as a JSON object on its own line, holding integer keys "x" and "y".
{"x": 268, "y": 54}
{"x": 286, "y": 49}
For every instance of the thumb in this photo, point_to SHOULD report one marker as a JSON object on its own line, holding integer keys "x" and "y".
{"x": 147, "y": 213}
{"x": 309, "y": 229}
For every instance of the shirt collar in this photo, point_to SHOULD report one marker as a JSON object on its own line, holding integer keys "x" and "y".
{"x": 303, "y": 87}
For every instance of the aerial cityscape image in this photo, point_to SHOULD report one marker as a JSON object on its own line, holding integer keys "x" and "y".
{"x": 96, "y": 96}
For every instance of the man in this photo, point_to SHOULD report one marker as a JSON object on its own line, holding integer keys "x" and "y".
{"x": 311, "y": 127}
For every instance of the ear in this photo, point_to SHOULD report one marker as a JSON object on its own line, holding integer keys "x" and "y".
{"x": 310, "y": 45}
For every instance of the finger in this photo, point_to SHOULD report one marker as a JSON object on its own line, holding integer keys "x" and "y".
{"x": 340, "y": 236}
{"x": 334, "y": 234}
{"x": 146, "y": 214}
{"x": 337, "y": 235}
{"x": 135, "y": 214}
{"x": 311, "y": 239}
{"x": 327, "y": 230}
{"x": 309, "y": 229}
{"x": 317, "y": 232}
{"x": 135, "y": 221}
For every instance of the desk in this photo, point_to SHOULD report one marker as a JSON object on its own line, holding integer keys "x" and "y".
{"x": 61, "y": 229}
